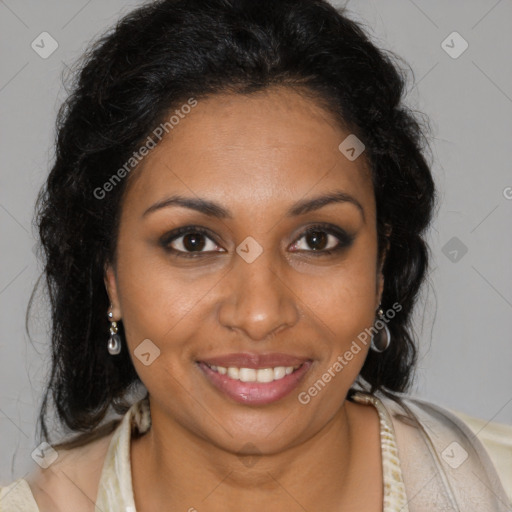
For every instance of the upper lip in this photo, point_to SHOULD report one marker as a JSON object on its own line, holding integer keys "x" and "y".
{"x": 249, "y": 360}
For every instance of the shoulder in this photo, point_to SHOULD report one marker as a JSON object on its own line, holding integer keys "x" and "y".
{"x": 72, "y": 478}
{"x": 497, "y": 440}
{"x": 17, "y": 496}
{"x": 442, "y": 458}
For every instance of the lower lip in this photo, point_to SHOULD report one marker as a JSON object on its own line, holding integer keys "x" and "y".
{"x": 255, "y": 393}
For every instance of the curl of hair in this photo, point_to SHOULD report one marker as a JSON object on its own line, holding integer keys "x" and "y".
{"x": 151, "y": 62}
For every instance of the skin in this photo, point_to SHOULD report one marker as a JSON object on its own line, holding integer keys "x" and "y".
{"x": 256, "y": 156}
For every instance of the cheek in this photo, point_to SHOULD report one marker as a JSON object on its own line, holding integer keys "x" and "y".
{"x": 345, "y": 296}
{"x": 343, "y": 304}
{"x": 159, "y": 308}
{"x": 156, "y": 313}
{"x": 153, "y": 299}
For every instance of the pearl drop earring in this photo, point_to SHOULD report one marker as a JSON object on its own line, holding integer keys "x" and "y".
{"x": 114, "y": 342}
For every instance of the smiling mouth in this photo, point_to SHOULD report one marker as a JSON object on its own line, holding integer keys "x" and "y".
{"x": 255, "y": 386}
{"x": 261, "y": 375}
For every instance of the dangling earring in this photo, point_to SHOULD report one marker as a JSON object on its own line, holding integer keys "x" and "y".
{"x": 383, "y": 339}
{"x": 114, "y": 342}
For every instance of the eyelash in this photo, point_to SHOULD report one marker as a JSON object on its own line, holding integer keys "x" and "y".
{"x": 345, "y": 240}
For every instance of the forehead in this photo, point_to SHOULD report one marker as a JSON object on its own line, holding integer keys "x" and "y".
{"x": 275, "y": 145}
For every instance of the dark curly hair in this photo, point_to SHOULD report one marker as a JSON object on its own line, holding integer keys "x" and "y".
{"x": 155, "y": 58}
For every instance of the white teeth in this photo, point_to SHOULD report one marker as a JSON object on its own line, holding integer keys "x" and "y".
{"x": 246, "y": 374}
{"x": 233, "y": 373}
{"x": 281, "y": 371}
{"x": 255, "y": 375}
{"x": 265, "y": 375}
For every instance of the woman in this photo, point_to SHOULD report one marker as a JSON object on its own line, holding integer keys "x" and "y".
{"x": 234, "y": 227}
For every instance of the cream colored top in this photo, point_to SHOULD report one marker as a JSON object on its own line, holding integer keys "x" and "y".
{"x": 115, "y": 492}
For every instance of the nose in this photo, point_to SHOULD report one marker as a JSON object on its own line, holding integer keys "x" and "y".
{"x": 259, "y": 301}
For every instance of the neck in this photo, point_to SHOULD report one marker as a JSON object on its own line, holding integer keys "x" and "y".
{"x": 172, "y": 465}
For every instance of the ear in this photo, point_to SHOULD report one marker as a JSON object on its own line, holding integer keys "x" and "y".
{"x": 380, "y": 275}
{"x": 110, "y": 281}
{"x": 380, "y": 287}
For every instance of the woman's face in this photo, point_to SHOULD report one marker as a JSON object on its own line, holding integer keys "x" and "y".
{"x": 253, "y": 282}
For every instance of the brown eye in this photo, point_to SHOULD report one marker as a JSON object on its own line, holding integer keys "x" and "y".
{"x": 317, "y": 240}
{"x": 193, "y": 242}
{"x": 323, "y": 240}
{"x": 188, "y": 240}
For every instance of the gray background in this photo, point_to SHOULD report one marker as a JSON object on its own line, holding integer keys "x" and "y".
{"x": 464, "y": 321}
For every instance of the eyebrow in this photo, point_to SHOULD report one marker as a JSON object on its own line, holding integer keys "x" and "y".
{"x": 213, "y": 209}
